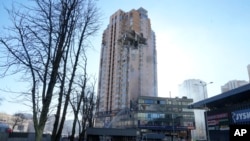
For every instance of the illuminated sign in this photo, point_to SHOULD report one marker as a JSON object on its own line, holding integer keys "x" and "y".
{"x": 241, "y": 115}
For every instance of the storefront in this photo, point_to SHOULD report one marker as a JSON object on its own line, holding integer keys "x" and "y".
{"x": 223, "y": 110}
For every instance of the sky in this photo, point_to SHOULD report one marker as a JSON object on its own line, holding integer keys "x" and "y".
{"x": 195, "y": 39}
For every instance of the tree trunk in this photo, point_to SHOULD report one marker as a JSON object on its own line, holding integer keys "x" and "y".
{"x": 39, "y": 134}
{"x": 74, "y": 127}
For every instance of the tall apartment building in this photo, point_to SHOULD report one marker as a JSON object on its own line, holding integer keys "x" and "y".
{"x": 128, "y": 66}
{"x": 232, "y": 85}
{"x": 197, "y": 90}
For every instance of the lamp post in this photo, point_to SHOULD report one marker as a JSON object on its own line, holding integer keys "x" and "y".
{"x": 204, "y": 84}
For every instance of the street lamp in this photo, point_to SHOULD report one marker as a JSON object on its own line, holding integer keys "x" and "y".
{"x": 204, "y": 84}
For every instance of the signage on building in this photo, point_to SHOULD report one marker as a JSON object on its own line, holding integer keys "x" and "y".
{"x": 218, "y": 122}
{"x": 241, "y": 115}
{"x": 212, "y": 122}
{"x": 218, "y": 116}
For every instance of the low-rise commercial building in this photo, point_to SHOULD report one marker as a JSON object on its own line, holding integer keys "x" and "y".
{"x": 149, "y": 117}
{"x": 167, "y": 115}
{"x": 224, "y": 110}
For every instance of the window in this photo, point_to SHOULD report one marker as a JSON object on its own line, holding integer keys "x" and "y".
{"x": 133, "y": 56}
{"x": 185, "y": 103}
{"x": 175, "y": 109}
{"x": 149, "y": 101}
{"x": 161, "y": 116}
{"x": 154, "y": 116}
{"x": 169, "y": 102}
{"x": 149, "y": 116}
{"x": 120, "y": 17}
{"x": 169, "y": 109}
{"x": 174, "y": 102}
{"x": 161, "y": 102}
{"x": 20, "y": 127}
{"x": 187, "y": 110}
{"x": 141, "y": 101}
{"x": 131, "y": 21}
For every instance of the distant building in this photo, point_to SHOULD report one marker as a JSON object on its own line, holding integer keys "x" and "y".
{"x": 248, "y": 71}
{"x": 20, "y": 125}
{"x": 128, "y": 66}
{"x": 197, "y": 90}
{"x": 27, "y": 124}
{"x": 232, "y": 85}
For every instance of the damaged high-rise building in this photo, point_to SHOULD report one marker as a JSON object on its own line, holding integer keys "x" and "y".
{"x": 128, "y": 63}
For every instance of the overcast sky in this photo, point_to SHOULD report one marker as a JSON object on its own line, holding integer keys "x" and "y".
{"x": 195, "y": 39}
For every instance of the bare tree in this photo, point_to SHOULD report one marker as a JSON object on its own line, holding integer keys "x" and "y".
{"x": 82, "y": 102}
{"x": 45, "y": 45}
{"x": 78, "y": 96}
{"x": 89, "y": 25}
{"x": 87, "y": 111}
{"x": 18, "y": 120}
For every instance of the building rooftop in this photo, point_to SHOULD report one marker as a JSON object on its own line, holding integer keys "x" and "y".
{"x": 238, "y": 95}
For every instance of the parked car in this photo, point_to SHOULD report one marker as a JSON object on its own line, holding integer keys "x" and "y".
{"x": 4, "y": 128}
{"x": 4, "y": 131}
